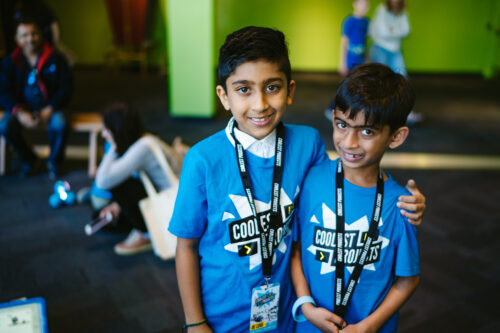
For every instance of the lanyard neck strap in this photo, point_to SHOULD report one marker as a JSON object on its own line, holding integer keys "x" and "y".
{"x": 269, "y": 228}
{"x": 343, "y": 295}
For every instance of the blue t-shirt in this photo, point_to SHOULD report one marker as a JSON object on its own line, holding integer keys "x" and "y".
{"x": 355, "y": 29}
{"x": 393, "y": 253}
{"x": 211, "y": 205}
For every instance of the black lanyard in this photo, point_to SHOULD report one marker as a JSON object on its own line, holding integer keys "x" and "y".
{"x": 267, "y": 230}
{"x": 342, "y": 297}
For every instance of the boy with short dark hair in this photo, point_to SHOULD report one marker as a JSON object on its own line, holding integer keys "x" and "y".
{"x": 347, "y": 207}
{"x": 236, "y": 195}
{"x": 227, "y": 271}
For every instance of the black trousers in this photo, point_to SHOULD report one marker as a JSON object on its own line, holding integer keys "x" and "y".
{"x": 127, "y": 195}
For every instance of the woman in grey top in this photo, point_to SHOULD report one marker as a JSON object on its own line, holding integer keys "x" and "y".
{"x": 129, "y": 154}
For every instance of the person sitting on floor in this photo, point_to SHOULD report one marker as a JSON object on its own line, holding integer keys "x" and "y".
{"x": 35, "y": 85}
{"x": 128, "y": 154}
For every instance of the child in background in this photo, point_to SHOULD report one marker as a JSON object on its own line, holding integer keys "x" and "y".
{"x": 130, "y": 153}
{"x": 389, "y": 26}
{"x": 352, "y": 42}
{"x": 387, "y": 29}
{"x": 347, "y": 207}
{"x": 236, "y": 195}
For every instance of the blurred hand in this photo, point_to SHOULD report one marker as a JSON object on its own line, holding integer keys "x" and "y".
{"x": 112, "y": 208}
{"x": 356, "y": 328}
{"x": 324, "y": 320}
{"x": 46, "y": 113}
{"x": 343, "y": 70}
{"x": 27, "y": 119}
{"x": 412, "y": 206}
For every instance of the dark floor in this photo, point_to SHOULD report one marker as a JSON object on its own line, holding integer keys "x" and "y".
{"x": 44, "y": 252}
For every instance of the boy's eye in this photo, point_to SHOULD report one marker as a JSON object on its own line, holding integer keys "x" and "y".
{"x": 243, "y": 90}
{"x": 273, "y": 88}
{"x": 367, "y": 132}
{"x": 341, "y": 125}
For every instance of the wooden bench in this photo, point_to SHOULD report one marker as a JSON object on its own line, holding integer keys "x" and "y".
{"x": 89, "y": 122}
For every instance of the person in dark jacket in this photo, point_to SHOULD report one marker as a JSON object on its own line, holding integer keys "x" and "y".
{"x": 35, "y": 85}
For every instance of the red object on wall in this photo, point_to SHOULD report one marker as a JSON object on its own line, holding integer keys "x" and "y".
{"x": 128, "y": 21}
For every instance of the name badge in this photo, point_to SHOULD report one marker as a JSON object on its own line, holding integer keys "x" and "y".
{"x": 265, "y": 308}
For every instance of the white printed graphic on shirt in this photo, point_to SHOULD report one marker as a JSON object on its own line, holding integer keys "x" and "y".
{"x": 244, "y": 234}
{"x": 323, "y": 244}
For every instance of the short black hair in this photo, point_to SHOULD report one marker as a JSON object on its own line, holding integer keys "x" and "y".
{"x": 26, "y": 19}
{"x": 124, "y": 123}
{"x": 251, "y": 44}
{"x": 385, "y": 97}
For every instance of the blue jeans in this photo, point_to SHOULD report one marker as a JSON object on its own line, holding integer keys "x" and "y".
{"x": 392, "y": 59}
{"x": 57, "y": 132}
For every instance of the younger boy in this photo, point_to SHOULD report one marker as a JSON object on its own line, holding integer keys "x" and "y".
{"x": 375, "y": 240}
{"x": 236, "y": 195}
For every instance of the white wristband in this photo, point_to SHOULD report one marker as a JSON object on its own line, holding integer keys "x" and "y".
{"x": 296, "y": 306}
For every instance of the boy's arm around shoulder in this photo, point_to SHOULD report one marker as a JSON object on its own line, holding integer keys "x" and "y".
{"x": 401, "y": 290}
{"x": 413, "y": 206}
{"x": 187, "y": 265}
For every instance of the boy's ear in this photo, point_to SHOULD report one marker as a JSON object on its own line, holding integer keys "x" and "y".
{"x": 291, "y": 91}
{"x": 223, "y": 97}
{"x": 399, "y": 137}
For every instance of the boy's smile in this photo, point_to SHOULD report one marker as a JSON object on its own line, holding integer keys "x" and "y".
{"x": 257, "y": 95}
{"x": 361, "y": 146}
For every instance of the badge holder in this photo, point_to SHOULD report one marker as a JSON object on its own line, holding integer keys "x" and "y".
{"x": 265, "y": 307}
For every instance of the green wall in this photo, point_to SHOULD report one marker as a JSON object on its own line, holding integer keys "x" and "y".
{"x": 86, "y": 31}
{"x": 447, "y": 35}
{"x": 312, "y": 28}
{"x": 84, "y": 28}
{"x": 191, "y": 78}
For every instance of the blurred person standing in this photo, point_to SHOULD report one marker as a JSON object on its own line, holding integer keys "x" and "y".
{"x": 352, "y": 42}
{"x": 387, "y": 29}
{"x": 353, "y": 39}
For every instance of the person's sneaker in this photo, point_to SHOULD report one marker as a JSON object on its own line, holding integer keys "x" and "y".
{"x": 133, "y": 244}
{"x": 83, "y": 195}
{"x": 54, "y": 171}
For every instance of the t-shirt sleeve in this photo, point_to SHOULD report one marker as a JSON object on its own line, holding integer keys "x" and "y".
{"x": 190, "y": 213}
{"x": 346, "y": 27}
{"x": 319, "y": 153}
{"x": 114, "y": 170}
{"x": 407, "y": 256}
